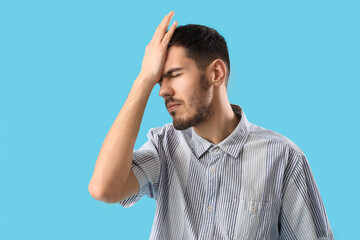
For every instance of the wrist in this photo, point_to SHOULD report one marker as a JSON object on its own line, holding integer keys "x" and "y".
{"x": 147, "y": 79}
{"x": 143, "y": 85}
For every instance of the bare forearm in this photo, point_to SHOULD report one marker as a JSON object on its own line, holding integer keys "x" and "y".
{"x": 114, "y": 161}
{"x": 113, "y": 166}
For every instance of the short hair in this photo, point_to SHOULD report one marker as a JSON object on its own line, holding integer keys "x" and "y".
{"x": 202, "y": 44}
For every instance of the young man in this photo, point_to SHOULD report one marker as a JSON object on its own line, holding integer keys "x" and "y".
{"x": 213, "y": 174}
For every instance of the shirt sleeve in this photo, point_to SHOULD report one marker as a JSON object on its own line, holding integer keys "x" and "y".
{"x": 146, "y": 168}
{"x": 302, "y": 214}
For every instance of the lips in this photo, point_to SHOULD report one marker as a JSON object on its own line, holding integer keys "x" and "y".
{"x": 172, "y": 106}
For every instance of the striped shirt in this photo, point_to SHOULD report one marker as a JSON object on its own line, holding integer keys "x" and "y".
{"x": 255, "y": 184}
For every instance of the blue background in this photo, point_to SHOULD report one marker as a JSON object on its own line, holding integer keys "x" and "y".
{"x": 66, "y": 68}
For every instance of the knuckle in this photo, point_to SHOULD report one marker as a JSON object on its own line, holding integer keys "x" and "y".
{"x": 164, "y": 45}
{"x": 166, "y": 39}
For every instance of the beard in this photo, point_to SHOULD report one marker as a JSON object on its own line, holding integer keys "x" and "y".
{"x": 200, "y": 102}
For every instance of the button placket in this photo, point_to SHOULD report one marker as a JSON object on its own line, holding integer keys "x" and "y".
{"x": 212, "y": 182}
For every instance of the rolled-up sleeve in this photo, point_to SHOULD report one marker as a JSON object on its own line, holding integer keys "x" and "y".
{"x": 302, "y": 213}
{"x": 146, "y": 168}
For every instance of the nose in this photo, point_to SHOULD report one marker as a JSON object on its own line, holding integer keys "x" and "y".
{"x": 166, "y": 89}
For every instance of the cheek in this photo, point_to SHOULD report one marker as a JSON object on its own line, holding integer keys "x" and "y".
{"x": 183, "y": 87}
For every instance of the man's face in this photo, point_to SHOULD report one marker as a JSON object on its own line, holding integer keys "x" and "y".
{"x": 186, "y": 91}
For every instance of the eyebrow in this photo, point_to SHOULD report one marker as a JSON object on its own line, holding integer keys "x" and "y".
{"x": 170, "y": 71}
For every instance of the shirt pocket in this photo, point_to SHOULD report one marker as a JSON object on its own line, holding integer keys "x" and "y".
{"x": 252, "y": 220}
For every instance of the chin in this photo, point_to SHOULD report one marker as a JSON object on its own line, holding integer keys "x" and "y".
{"x": 181, "y": 127}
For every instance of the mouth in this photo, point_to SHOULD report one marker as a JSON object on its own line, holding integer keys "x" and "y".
{"x": 172, "y": 106}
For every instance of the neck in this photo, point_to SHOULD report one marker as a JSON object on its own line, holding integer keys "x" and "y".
{"x": 221, "y": 122}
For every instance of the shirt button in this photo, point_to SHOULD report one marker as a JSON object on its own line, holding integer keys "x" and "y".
{"x": 253, "y": 208}
{"x": 213, "y": 170}
{"x": 216, "y": 149}
{"x": 209, "y": 208}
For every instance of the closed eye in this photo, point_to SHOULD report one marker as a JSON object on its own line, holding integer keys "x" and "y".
{"x": 172, "y": 76}
{"x": 175, "y": 76}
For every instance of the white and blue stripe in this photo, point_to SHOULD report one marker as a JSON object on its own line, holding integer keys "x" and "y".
{"x": 255, "y": 184}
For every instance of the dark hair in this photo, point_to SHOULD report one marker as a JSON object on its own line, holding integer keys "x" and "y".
{"x": 203, "y": 44}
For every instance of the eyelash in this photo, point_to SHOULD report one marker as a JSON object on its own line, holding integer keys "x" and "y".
{"x": 170, "y": 77}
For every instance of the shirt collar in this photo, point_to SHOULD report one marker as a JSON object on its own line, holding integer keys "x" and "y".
{"x": 232, "y": 144}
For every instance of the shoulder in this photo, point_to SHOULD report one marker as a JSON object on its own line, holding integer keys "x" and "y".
{"x": 274, "y": 138}
{"x": 291, "y": 157}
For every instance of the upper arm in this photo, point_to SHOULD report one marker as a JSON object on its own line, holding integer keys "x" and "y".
{"x": 303, "y": 214}
{"x": 144, "y": 175}
{"x": 131, "y": 187}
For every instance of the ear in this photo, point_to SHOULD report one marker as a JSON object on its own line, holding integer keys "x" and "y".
{"x": 217, "y": 72}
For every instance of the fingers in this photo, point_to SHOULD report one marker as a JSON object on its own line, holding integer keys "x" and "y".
{"x": 166, "y": 20}
{"x": 169, "y": 34}
{"x": 161, "y": 29}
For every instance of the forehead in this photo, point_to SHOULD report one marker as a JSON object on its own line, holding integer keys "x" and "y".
{"x": 176, "y": 58}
